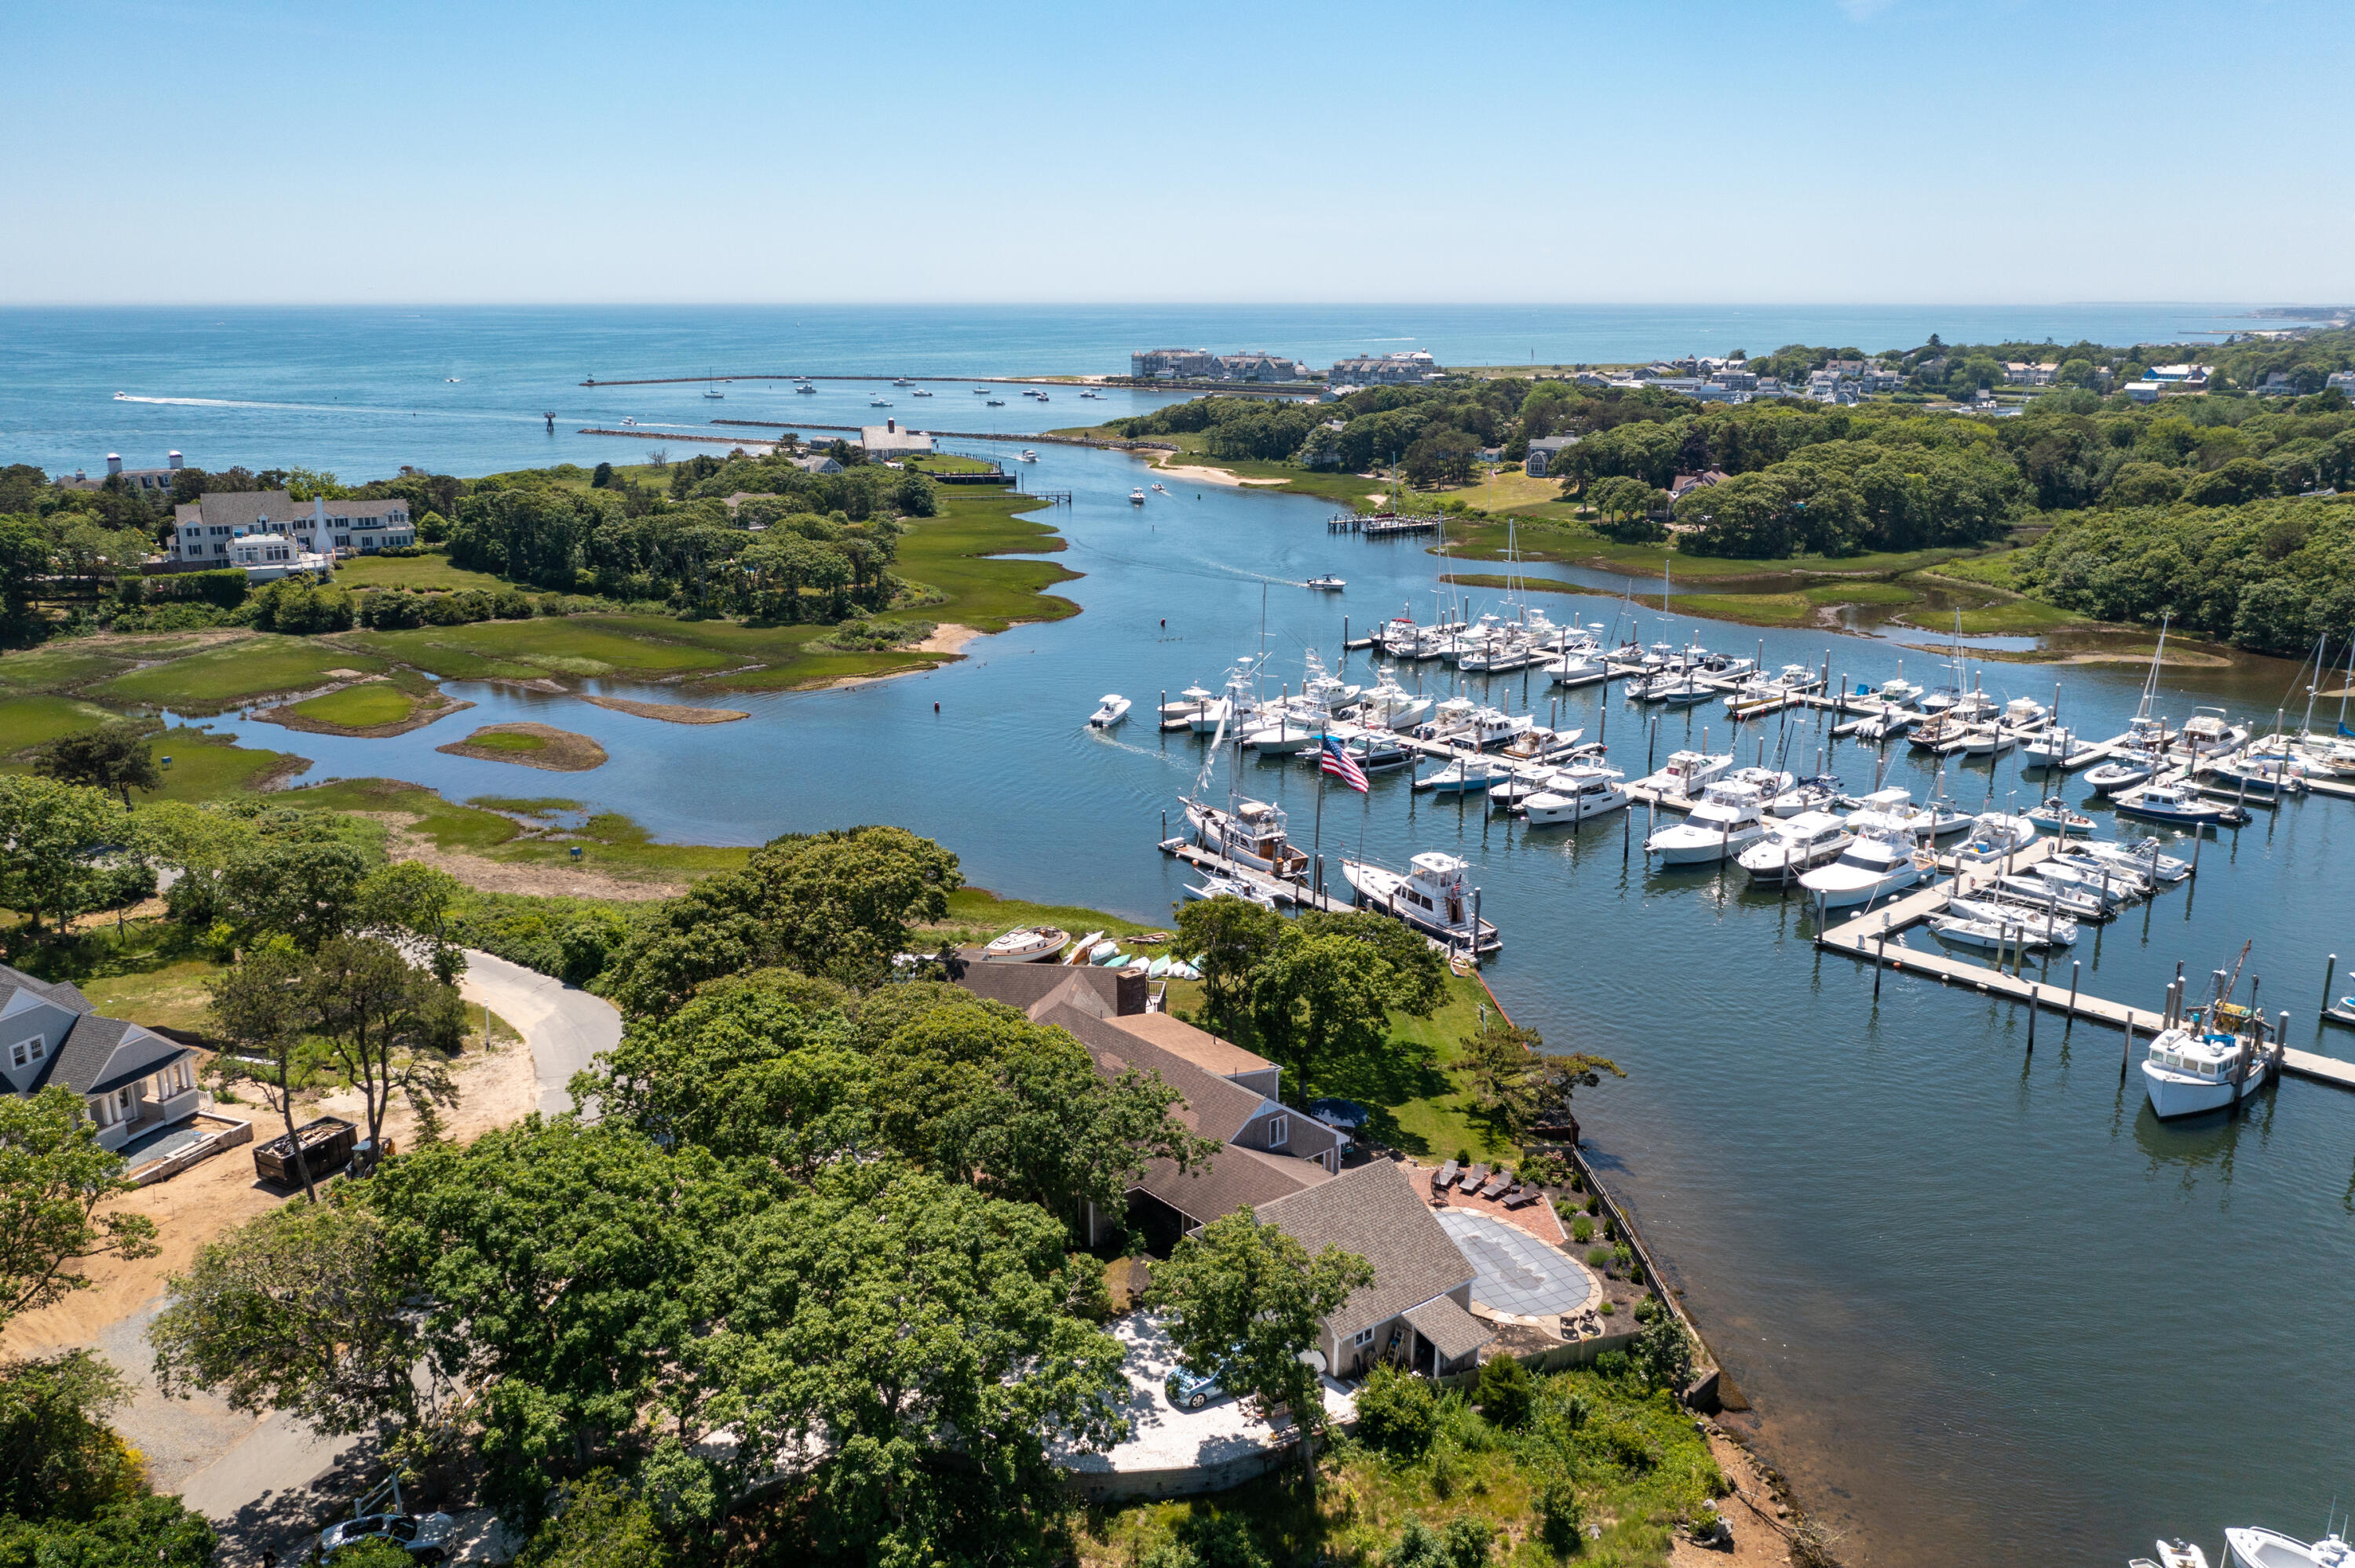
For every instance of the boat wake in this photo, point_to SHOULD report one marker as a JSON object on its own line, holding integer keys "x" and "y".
{"x": 333, "y": 408}
{"x": 1103, "y": 738}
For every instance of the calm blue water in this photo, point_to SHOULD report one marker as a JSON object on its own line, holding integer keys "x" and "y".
{"x": 360, "y": 391}
{"x": 1990, "y": 1310}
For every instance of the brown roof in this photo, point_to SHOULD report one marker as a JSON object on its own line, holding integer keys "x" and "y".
{"x": 1211, "y": 1106}
{"x": 1452, "y": 1331}
{"x": 1205, "y": 1050}
{"x": 1373, "y": 1212}
{"x": 1024, "y": 986}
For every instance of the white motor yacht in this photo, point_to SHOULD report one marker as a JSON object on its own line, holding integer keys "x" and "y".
{"x": 2208, "y": 732}
{"x": 1288, "y": 736}
{"x": 1110, "y": 712}
{"x": 2253, "y": 1546}
{"x": 1233, "y": 887}
{"x": 1432, "y": 898}
{"x": 1390, "y": 706}
{"x": 2055, "y": 748}
{"x": 1769, "y": 782}
{"x": 1185, "y": 708}
{"x": 2216, "y": 1057}
{"x": 1794, "y": 845}
{"x": 1688, "y": 772}
{"x": 1576, "y": 668}
{"x": 1995, "y": 836}
{"x": 1885, "y": 859}
{"x": 1252, "y": 833}
{"x": 2043, "y": 928}
{"x": 1938, "y": 819}
{"x": 1726, "y": 820}
{"x": 1574, "y": 794}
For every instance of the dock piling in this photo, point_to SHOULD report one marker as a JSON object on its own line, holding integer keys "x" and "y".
{"x": 1880, "y": 956}
{"x": 2329, "y": 969}
{"x": 2032, "y": 1010}
{"x": 2076, "y": 971}
{"x": 2127, "y": 1060}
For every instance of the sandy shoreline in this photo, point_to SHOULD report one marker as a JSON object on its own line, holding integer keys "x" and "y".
{"x": 1194, "y": 474}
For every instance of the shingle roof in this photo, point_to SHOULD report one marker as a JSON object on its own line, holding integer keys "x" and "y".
{"x": 105, "y": 1054}
{"x": 1212, "y": 1107}
{"x": 1233, "y": 1178}
{"x": 1373, "y": 1212}
{"x": 1452, "y": 1331}
{"x": 1024, "y": 986}
{"x": 62, "y": 992}
{"x": 1205, "y": 1050}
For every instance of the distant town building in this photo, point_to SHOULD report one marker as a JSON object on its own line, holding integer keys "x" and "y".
{"x": 1735, "y": 377}
{"x": 1881, "y": 379}
{"x": 813, "y": 462}
{"x": 2341, "y": 381}
{"x": 888, "y": 440}
{"x": 153, "y": 483}
{"x": 1174, "y": 365}
{"x": 1412, "y": 368}
{"x": 209, "y": 528}
{"x": 1543, "y": 453}
{"x": 1257, "y": 366}
{"x": 2022, "y": 375}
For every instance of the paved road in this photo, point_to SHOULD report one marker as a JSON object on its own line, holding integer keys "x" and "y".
{"x": 563, "y": 1025}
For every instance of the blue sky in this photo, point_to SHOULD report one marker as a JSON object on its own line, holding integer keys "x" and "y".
{"x": 1810, "y": 151}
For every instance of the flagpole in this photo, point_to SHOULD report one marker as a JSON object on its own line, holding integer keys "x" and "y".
{"x": 1320, "y": 797}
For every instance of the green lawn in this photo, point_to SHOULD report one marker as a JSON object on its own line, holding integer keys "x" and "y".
{"x": 153, "y": 989}
{"x": 411, "y": 572}
{"x": 64, "y": 666}
{"x": 953, "y": 551}
{"x": 29, "y": 721}
{"x": 976, "y": 915}
{"x": 507, "y": 740}
{"x": 230, "y": 673}
{"x": 207, "y": 767}
{"x": 362, "y": 706}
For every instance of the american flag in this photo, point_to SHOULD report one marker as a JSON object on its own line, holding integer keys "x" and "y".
{"x": 1342, "y": 766}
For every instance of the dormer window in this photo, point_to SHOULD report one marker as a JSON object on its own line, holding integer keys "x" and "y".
{"x": 26, "y": 1052}
{"x": 1279, "y": 1131}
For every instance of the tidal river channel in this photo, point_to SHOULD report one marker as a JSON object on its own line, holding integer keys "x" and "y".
{"x": 1988, "y": 1308}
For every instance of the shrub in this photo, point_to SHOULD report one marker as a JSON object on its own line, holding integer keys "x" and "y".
{"x": 1647, "y": 1308}
{"x": 1397, "y": 1412}
{"x": 1663, "y": 1354}
{"x": 1462, "y": 1542}
{"x": 1598, "y": 1257}
{"x": 1506, "y": 1392}
{"x": 1582, "y": 1230}
{"x": 1593, "y": 1204}
{"x": 1463, "y": 1157}
{"x": 1623, "y": 1257}
{"x": 1608, "y": 1307}
{"x": 1561, "y": 1518}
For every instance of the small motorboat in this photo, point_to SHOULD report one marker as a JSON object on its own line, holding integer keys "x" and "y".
{"x": 920, "y": 392}
{"x": 2119, "y": 774}
{"x": 1994, "y": 836}
{"x": 1820, "y": 793}
{"x": 1110, "y": 712}
{"x": 2055, "y": 817}
{"x": 2341, "y": 1012}
{"x": 1327, "y": 584}
{"x": 628, "y": 421}
{"x": 2050, "y": 925}
{"x": 1161, "y": 487}
{"x": 2172, "y": 1554}
{"x": 1137, "y": 498}
{"x": 2141, "y": 857}
{"x": 879, "y": 402}
{"x": 122, "y": 397}
{"x": 1027, "y": 945}
{"x": 1026, "y": 455}
{"x": 1233, "y": 887}
{"x": 1990, "y": 934}
{"x": 805, "y": 387}
{"x": 995, "y": 403}
{"x": 1081, "y": 949}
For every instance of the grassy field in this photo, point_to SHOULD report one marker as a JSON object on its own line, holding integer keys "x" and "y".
{"x": 976, "y": 915}
{"x": 507, "y": 740}
{"x": 206, "y": 766}
{"x": 1509, "y": 490}
{"x": 362, "y": 706}
{"x": 573, "y": 645}
{"x": 36, "y": 719}
{"x": 953, "y": 551}
{"x": 258, "y": 665}
{"x": 427, "y": 572}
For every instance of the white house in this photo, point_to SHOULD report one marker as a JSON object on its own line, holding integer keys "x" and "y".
{"x": 131, "y": 1080}
{"x": 2018, "y": 374}
{"x": 154, "y": 484}
{"x": 210, "y": 526}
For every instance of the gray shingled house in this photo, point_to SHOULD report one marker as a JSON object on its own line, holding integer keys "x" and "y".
{"x": 131, "y": 1080}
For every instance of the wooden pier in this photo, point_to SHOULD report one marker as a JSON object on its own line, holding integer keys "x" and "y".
{"x": 1381, "y": 524}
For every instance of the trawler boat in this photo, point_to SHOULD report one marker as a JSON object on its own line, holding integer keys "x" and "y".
{"x": 1687, "y": 772}
{"x": 1726, "y": 820}
{"x": 1884, "y": 858}
{"x": 1251, "y": 834}
{"x": 2253, "y": 1546}
{"x": 1574, "y": 794}
{"x": 2217, "y": 1056}
{"x": 2055, "y": 748}
{"x": 1794, "y": 845}
{"x": 1027, "y": 945}
{"x": 1110, "y": 712}
{"x": 1432, "y": 898}
{"x": 2180, "y": 805}
{"x": 2208, "y": 733}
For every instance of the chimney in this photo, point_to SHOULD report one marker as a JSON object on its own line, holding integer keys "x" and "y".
{"x": 114, "y": 462}
{"x": 175, "y": 459}
{"x": 891, "y": 426}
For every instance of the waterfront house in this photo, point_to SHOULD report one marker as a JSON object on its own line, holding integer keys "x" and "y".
{"x": 208, "y": 529}
{"x": 1685, "y": 484}
{"x": 1879, "y": 377}
{"x": 131, "y": 1080}
{"x": 150, "y": 484}
{"x": 1411, "y": 368}
{"x": 813, "y": 462}
{"x": 889, "y": 439}
{"x": 2020, "y": 374}
{"x": 1543, "y": 453}
{"x": 1256, "y": 366}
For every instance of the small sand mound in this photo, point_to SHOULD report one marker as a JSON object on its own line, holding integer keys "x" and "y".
{"x": 670, "y": 712}
{"x": 531, "y": 745}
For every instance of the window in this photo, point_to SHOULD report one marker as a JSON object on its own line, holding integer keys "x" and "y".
{"x": 1279, "y": 1131}
{"x": 17, "y": 1057}
{"x": 1364, "y": 1336}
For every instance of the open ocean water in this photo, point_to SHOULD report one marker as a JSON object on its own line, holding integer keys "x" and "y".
{"x": 1989, "y": 1309}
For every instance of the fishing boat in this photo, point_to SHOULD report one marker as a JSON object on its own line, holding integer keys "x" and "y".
{"x": 1432, "y": 898}
{"x": 1938, "y": 819}
{"x": 1687, "y": 772}
{"x": 920, "y": 392}
{"x": 1110, "y": 712}
{"x": 2261, "y": 777}
{"x": 2253, "y": 1546}
{"x": 1233, "y": 887}
{"x": 1183, "y": 712}
{"x": 1390, "y": 706}
{"x": 1026, "y": 455}
{"x": 1327, "y": 584}
{"x": 1884, "y": 858}
{"x": 1887, "y": 725}
{"x": 901, "y": 381}
{"x": 1137, "y": 498}
{"x": 1160, "y": 488}
{"x": 879, "y": 402}
{"x": 1820, "y": 793}
{"x": 2058, "y": 748}
{"x": 1726, "y": 820}
{"x": 994, "y": 403}
{"x": 1377, "y": 753}
{"x": 2141, "y": 857}
{"x": 1540, "y": 744}
{"x": 2216, "y": 1057}
{"x": 1576, "y": 668}
{"x": 2047, "y": 927}
{"x": 2110, "y": 887}
{"x": 1250, "y": 834}
{"x": 2180, "y": 806}
{"x": 1992, "y": 935}
{"x": 805, "y": 387}
{"x": 1288, "y": 736}
{"x": 2042, "y": 893}
{"x": 2121, "y": 773}
{"x": 1465, "y": 774}
{"x": 2055, "y": 817}
{"x": 1027, "y": 945}
{"x": 2208, "y": 733}
{"x": 1574, "y": 794}
{"x": 1795, "y": 845}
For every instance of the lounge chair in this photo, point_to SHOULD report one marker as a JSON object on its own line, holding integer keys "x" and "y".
{"x": 1470, "y": 1182}
{"x": 1444, "y": 1177}
{"x": 1497, "y": 1185}
{"x": 1522, "y": 1197}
